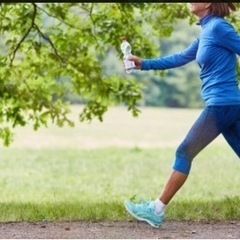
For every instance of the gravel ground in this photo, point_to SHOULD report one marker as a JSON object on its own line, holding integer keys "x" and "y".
{"x": 121, "y": 229}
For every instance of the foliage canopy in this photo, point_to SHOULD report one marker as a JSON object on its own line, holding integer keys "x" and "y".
{"x": 51, "y": 49}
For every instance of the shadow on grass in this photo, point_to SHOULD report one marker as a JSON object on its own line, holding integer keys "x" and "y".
{"x": 225, "y": 209}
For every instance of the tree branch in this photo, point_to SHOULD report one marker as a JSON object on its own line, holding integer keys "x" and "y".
{"x": 49, "y": 41}
{"x": 25, "y": 35}
{"x": 50, "y": 15}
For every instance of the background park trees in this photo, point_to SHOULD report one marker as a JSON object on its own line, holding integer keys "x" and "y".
{"x": 53, "y": 54}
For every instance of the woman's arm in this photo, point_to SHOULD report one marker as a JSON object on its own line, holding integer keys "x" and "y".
{"x": 172, "y": 61}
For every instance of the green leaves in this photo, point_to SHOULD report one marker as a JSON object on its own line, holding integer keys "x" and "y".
{"x": 51, "y": 49}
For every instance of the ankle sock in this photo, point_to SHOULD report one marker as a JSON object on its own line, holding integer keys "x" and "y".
{"x": 159, "y": 206}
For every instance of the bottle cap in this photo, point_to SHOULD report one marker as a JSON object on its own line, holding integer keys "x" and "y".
{"x": 123, "y": 38}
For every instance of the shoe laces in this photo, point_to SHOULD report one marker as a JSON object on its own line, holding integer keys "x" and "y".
{"x": 145, "y": 205}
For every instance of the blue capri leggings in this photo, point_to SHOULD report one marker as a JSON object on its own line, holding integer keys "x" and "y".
{"x": 214, "y": 120}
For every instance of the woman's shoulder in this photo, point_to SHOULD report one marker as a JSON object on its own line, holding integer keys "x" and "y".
{"x": 220, "y": 24}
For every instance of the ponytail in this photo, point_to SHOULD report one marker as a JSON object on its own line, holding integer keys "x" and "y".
{"x": 221, "y": 9}
{"x": 232, "y": 6}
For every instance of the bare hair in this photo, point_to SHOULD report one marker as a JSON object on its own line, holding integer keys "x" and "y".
{"x": 221, "y": 9}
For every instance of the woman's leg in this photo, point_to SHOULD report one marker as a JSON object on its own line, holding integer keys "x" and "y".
{"x": 173, "y": 184}
{"x": 206, "y": 128}
{"x": 232, "y": 135}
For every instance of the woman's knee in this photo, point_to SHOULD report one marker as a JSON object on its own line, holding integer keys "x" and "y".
{"x": 183, "y": 160}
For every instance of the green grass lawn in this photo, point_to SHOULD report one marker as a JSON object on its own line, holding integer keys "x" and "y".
{"x": 47, "y": 181}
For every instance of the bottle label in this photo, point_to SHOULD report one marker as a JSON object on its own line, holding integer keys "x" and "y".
{"x": 129, "y": 64}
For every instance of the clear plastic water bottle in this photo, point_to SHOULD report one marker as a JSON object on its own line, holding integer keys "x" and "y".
{"x": 126, "y": 50}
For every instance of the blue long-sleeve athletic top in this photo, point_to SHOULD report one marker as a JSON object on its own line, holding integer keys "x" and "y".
{"x": 215, "y": 51}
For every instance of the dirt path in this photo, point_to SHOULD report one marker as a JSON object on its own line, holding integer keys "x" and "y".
{"x": 118, "y": 229}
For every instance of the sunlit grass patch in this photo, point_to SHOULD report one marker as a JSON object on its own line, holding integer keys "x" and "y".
{"x": 75, "y": 184}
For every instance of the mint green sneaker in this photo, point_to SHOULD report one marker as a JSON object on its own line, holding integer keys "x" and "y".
{"x": 145, "y": 212}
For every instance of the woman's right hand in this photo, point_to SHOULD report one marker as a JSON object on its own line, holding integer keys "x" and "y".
{"x": 136, "y": 60}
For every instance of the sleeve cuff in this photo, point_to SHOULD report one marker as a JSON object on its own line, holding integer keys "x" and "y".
{"x": 145, "y": 64}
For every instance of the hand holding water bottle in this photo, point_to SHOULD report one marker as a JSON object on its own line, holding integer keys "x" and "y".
{"x": 137, "y": 61}
{"x": 126, "y": 49}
